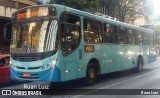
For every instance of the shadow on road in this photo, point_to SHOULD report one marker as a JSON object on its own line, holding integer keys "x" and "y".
{"x": 12, "y": 83}
{"x": 80, "y": 83}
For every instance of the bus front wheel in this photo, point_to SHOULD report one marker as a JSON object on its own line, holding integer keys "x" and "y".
{"x": 91, "y": 74}
{"x": 139, "y": 64}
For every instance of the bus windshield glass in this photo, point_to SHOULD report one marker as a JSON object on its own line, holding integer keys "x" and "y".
{"x": 34, "y": 37}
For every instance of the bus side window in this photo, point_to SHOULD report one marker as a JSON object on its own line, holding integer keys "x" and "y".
{"x": 151, "y": 39}
{"x": 122, "y": 35}
{"x": 138, "y": 36}
{"x": 145, "y": 38}
{"x": 131, "y": 36}
{"x": 70, "y": 33}
{"x": 92, "y": 31}
{"x": 109, "y": 33}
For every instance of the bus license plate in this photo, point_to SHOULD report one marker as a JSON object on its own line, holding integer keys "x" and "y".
{"x": 26, "y": 75}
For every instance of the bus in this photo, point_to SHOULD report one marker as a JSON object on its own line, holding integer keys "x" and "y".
{"x": 55, "y": 43}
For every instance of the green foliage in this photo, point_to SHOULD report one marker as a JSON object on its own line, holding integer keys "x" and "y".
{"x": 122, "y": 9}
{"x": 85, "y": 5}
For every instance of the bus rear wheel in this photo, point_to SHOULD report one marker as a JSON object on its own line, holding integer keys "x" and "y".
{"x": 91, "y": 74}
{"x": 139, "y": 64}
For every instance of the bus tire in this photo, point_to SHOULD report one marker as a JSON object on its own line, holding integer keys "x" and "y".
{"x": 139, "y": 64}
{"x": 91, "y": 74}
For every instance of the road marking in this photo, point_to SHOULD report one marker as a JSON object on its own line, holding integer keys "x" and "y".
{"x": 114, "y": 84}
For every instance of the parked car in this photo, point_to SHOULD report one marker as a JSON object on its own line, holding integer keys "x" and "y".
{"x": 4, "y": 68}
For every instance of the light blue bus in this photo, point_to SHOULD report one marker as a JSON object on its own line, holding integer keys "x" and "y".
{"x": 55, "y": 43}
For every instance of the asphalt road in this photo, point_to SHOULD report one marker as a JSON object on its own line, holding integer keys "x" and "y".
{"x": 126, "y": 84}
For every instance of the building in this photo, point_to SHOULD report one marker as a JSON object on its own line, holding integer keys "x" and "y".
{"x": 7, "y": 8}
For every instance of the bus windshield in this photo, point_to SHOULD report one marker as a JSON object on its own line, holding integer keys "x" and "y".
{"x": 34, "y": 37}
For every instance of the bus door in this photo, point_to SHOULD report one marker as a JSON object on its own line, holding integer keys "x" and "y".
{"x": 70, "y": 37}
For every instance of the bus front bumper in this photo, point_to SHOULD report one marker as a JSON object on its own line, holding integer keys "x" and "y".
{"x": 49, "y": 75}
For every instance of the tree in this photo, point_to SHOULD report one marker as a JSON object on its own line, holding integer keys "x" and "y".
{"x": 122, "y": 9}
{"x": 130, "y": 8}
{"x": 85, "y": 5}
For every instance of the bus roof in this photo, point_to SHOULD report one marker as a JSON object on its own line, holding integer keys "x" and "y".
{"x": 104, "y": 19}
{"x": 86, "y": 14}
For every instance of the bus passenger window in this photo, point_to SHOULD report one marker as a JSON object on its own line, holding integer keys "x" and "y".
{"x": 145, "y": 38}
{"x": 151, "y": 39}
{"x": 122, "y": 35}
{"x": 70, "y": 33}
{"x": 131, "y": 37}
{"x": 92, "y": 31}
{"x": 138, "y": 38}
{"x": 109, "y": 33}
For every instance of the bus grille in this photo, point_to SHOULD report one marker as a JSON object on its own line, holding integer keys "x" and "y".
{"x": 30, "y": 68}
{"x": 32, "y": 56}
{"x": 33, "y": 68}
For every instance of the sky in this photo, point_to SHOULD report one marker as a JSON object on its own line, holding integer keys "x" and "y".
{"x": 156, "y": 5}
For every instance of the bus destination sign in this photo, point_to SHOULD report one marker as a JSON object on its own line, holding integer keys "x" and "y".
{"x": 33, "y": 12}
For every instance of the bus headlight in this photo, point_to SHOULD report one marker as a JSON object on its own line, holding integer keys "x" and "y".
{"x": 10, "y": 62}
{"x": 54, "y": 61}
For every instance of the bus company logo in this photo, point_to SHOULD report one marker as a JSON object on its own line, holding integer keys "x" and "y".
{"x": 28, "y": 50}
{"x": 6, "y": 92}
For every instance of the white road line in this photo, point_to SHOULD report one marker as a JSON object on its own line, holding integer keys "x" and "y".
{"x": 114, "y": 84}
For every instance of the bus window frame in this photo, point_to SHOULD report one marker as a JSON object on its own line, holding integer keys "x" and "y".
{"x": 133, "y": 36}
{"x": 145, "y": 38}
{"x": 114, "y": 33}
{"x": 137, "y": 33}
{"x": 123, "y": 36}
{"x": 99, "y": 33}
{"x": 60, "y": 30}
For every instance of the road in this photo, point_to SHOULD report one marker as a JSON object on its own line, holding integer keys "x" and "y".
{"x": 126, "y": 82}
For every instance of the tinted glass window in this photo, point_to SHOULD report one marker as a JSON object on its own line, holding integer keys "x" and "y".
{"x": 92, "y": 31}
{"x": 122, "y": 35}
{"x": 70, "y": 32}
{"x": 138, "y": 36}
{"x": 131, "y": 36}
{"x": 110, "y": 35}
